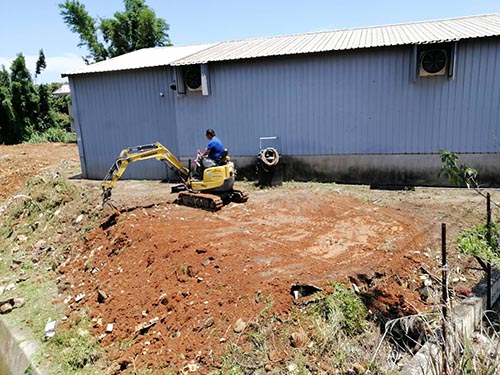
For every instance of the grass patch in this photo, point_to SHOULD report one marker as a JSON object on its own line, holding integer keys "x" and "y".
{"x": 42, "y": 196}
{"x": 329, "y": 335}
{"x": 39, "y": 230}
{"x": 73, "y": 350}
{"x": 342, "y": 309}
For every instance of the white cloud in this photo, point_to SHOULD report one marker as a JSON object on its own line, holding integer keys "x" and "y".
{"x": 55, "y": 66}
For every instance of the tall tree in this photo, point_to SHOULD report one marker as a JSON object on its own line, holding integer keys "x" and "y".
{"x": 135, "y": 28}
{"x": 6, "y": 112}
{"x": 45, "y": 113}
{"x": 24, "y": 101}
{"x": 76, "y": 17}
{"x": 41, "y": 64}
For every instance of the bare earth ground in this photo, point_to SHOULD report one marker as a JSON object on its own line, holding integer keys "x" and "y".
{"x": 177, "y": 279}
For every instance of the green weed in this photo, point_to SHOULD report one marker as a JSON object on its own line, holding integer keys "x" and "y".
{"x": 474, "y": 242}
{"x": 74, "y": 349}
{"x": 343, "y": 308}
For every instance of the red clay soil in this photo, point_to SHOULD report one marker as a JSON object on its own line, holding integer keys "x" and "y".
{"x": 195, "y": 273}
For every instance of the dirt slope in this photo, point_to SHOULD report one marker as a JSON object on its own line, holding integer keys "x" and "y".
{"x": 20, "y": 162}
{"x": 174, "y": 280}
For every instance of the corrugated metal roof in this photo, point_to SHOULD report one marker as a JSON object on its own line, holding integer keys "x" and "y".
{"x": 143, "y": 58}
{"x": 63, "y": 90}
{"x": 369, "y": 37}
{"x": 378, "y": 36}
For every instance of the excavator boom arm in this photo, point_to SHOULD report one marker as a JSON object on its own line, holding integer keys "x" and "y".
{"x": 133, "y": 154}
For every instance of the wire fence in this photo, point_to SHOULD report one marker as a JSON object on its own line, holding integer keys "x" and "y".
{"x": 456, "y": 352}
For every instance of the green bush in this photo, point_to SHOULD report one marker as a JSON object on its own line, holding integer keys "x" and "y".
{"x": 53, "y": 135}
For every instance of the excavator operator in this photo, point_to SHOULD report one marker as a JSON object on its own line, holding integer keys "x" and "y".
{"x": 214, "y": 147}
{"x": 213, "y": 152}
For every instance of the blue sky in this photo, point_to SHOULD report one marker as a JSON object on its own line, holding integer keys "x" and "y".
{"x": 29, "y": 25}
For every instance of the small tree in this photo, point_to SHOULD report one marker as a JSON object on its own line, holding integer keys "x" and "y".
{"x": 457, "y": 174}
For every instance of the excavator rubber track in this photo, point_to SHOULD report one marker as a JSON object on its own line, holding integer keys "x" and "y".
{"x": 239, "y": 196}
{"x": 207, "y": 202}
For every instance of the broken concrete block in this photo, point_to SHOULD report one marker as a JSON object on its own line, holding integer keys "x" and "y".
{"x": 239, "y": 326}
{"x": 5, "y": 308}
{"x": 18, "y": 302}
{"x": 22, "y": 238}
{"x": 50, "y": 329}
{"x": 109, "y": 328}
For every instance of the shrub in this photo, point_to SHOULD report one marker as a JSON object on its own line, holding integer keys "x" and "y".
{"x": 344, "y": 308}
{"x": 53, "y": 135}
{"x": 474, "y": 242}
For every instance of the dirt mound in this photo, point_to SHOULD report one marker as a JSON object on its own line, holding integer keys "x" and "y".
{"x": 174, "y": 280}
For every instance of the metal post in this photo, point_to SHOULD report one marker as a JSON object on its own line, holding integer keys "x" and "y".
{"x": 444, "y": 299}
{"x": 488, "y": 219}
{"x": 488, "y": 241}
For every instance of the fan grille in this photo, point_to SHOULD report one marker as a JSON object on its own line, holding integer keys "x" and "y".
{"x": 434, "y": 60}
{"x": 192, "y": 78}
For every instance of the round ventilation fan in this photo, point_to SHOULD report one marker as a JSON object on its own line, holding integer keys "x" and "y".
{"x": 434, "y": 61}
{"x": 192, "y": 77}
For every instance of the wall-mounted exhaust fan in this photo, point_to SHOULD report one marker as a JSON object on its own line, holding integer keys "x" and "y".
{"x": 192, "y": 78}
{"x": 433, "y": 62}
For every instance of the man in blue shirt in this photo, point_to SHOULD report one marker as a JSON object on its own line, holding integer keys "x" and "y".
{"x": 214, "y": 147}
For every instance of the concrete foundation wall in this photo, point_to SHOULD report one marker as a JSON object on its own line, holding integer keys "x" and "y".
{"x": 16, "y": 350}
{"x": 399, "y": 169}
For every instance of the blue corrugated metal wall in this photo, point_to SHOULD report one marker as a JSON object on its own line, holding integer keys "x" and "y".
{"x": 351, "y": 102}
{"x": 117, "y": 110}
{"x": 357, "y": 102}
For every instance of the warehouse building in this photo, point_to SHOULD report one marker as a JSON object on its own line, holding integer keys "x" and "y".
{"x": 369, "y": 105}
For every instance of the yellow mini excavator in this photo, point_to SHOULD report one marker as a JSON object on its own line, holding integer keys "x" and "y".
{"x": 209, "y": 186}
